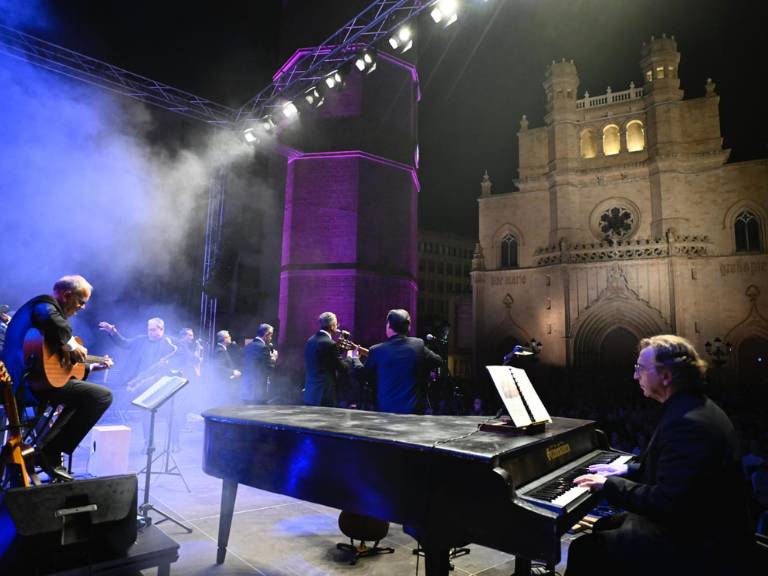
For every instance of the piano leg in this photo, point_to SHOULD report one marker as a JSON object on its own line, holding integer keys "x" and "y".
{"x": 228, "y": 495}
{"x": 436, "y": 561}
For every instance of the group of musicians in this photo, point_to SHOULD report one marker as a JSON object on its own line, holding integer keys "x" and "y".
{"x": 671, "y": 523}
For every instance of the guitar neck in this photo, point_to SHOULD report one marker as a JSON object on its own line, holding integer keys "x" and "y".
{"x": 95, "y": 359}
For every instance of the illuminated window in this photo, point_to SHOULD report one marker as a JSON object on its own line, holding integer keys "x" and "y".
{"x": 649, "y": 75}
{"x": 746, "y": 227}
{"x": 509, "y": 251}
{"x": 659, "y": 72}
{"x": 611, "y": 140}
{"x": 635, "y": 136}
{"x": 588, "y": 144}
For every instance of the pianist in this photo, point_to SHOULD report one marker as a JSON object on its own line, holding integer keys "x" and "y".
{"x": 686, "y": 508}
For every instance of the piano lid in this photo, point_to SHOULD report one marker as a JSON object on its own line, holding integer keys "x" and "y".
{"x": 455, "y": 435}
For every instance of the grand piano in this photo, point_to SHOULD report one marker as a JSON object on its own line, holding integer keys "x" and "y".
{"x": 447, "y": 482}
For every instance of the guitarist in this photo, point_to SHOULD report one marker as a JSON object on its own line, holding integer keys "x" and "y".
{"x": 83, "y": 402}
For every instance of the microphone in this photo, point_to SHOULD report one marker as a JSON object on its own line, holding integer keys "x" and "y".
{"x": 345, "y": 334}
{"x": 431, "y": 337}
{"x": 4, "y": 308}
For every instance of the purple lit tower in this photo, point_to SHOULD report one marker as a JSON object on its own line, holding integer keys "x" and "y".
{"x": 351, "y": 196}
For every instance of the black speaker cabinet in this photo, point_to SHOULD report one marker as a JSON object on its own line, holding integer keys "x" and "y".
{"x": 66, "y": 525}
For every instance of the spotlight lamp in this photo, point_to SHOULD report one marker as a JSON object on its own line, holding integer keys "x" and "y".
{"x": 365, "y": 62}
{"x": 402, "y": 40}
{"x": 267, "y": 124}
{"x": 250, "y": 136}
{"x": 445, "y": 12}
{"x": 289, "y": 110}
{"x": 333, "y": 79}
{"x": 313, "y": 97}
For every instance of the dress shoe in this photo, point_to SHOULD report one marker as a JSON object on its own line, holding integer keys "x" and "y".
{"x": 52, "y": 466}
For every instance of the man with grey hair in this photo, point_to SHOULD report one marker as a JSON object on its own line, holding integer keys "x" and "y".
{"x": 146, "y": 361}
{"x": 322, "y": 363}
{"x": 83, "y": 402}
{"x": 259, "y": 359}
{"x": 687, "y": 480}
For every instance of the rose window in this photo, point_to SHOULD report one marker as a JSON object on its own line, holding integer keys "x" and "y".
{"x": 616, "y": 223}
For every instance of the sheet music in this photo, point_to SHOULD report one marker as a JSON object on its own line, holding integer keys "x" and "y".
{"x": 510, "y": 395}
{"x": 159, "y": 392}
{"x": 538, "y": 411}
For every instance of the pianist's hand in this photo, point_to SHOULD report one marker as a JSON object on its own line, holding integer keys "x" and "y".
{"x": 593, "y": 482}
{"x": 609, "y": 469}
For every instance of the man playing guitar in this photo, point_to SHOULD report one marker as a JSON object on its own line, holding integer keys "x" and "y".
{"x": 83, "y": 402}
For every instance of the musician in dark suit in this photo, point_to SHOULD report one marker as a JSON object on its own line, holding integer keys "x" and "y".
{"x": 322, "y": 363}
{"x": 145, "y": 353}
{"x": 146, "y": 361}
{"x": 398, "y": 368}
{"x": 84, "y": 402}
{"x": 686, "y": 506}
{"x": 259, "y": 358}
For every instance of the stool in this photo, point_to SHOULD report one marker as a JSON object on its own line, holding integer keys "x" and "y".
{"x": 365, "y": 529}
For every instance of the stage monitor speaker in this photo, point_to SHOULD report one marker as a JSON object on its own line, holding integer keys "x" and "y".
{"x": 67, "y": 525}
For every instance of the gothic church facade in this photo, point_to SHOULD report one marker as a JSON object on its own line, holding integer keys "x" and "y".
{"x": 629, "y": 221}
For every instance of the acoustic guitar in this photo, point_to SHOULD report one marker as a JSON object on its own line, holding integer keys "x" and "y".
{"x": 12, "y": 455}
{"x": 52, "y": 369}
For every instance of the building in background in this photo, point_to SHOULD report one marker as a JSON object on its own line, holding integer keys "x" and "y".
{"x": 628, "y": 222}
{"x": 444, "y": 300}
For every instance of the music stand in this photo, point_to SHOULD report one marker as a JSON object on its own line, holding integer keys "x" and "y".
{"x": 152, "y": 399}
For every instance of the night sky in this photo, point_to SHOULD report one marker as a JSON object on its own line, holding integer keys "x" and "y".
{"x": 478, "y": 77}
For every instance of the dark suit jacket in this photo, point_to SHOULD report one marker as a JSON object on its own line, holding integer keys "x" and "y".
{"x": 321, "y": 360}
{"x": 686, "y": 499}
{"x": 398, "y": 370}
{"x": 223, "y": 363}
{"x": 41, "y": 312}
{"x": 258, "y": 365}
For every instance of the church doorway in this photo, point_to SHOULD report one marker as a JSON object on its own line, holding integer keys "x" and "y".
{"x": 618, "y": 353}
{"x": 753, "y": 366}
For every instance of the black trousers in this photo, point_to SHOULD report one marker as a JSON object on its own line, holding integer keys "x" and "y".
{"x": 84, "y": 403}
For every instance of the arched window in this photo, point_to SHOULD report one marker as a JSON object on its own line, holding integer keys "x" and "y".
{"x": 509, "y": 251}
{"x": 588, "y": 144}
{"x": 746, "y": 228}
{"x": 635, "y": 136}
{"x": 611, "y": 140}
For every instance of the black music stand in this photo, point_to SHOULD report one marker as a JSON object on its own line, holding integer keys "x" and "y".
{"x": 152, "y": 399}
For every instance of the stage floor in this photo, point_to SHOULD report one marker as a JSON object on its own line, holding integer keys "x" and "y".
{"x": 272, "y": 535}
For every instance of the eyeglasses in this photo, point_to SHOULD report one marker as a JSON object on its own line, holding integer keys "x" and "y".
{"x": 641, "y": 368}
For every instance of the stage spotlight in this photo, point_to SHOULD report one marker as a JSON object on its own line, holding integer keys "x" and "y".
{"x": 445, "y": 12}
{"x": 267, "y": 124}
{"x": 333, "y": 79}
{"x": 402, "y": 39}
{"x": 313, "y": 97}
{"x": 365, "y": 62}
{"x": 290, "y": 110}
{"x": 250, "y": 136}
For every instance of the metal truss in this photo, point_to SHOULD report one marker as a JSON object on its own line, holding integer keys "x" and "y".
{"x": 378, "y": 20}
{"x": 86, "y": 69}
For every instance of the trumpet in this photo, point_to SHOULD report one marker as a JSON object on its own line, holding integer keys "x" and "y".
{"x": 344, "y": 343}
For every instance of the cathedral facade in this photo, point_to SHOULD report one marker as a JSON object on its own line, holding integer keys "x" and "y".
{"x": 629, "y": 221}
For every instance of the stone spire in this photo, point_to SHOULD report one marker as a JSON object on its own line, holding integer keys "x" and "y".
{"x": 485, "y": 185}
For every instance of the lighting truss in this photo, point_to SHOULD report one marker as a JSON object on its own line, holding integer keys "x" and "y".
{"x": 86, "y": 69}
{"x": 378, "y": 20}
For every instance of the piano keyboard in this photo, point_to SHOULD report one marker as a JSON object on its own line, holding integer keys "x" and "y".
{"x": 560, "y": 491}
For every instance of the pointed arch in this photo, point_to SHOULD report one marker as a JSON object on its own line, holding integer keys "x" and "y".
{"x": 747, "y": 223}
{"x": 502, "y": 235}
